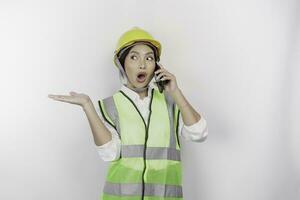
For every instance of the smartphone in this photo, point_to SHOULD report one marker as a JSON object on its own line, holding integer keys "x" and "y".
{"x": 160, "y": 83}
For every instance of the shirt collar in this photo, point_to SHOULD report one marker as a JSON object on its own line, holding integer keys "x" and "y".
{"x": 133, "y": 94}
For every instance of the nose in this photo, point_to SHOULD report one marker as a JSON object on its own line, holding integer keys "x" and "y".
{"x": 142, "y": 65}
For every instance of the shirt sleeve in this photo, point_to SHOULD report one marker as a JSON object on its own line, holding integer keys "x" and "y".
{"x": 109, "y": 151}
{"x": 196, "y": 132}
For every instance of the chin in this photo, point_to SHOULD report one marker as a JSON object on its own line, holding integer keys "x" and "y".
{"x": 141, "y": 85}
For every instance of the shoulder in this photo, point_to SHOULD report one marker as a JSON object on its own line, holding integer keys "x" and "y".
{"x": 107, "y": 97}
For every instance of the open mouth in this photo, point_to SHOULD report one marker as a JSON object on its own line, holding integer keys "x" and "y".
{"x": 141, "y": 77}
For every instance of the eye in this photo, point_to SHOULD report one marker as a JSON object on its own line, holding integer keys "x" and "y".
{"x": 151, "y": 58}
{"x": 132, "y": 56}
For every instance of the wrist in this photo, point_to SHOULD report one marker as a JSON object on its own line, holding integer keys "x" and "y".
{"x": 176, "y": 93}
{"x": 87, "y": 105}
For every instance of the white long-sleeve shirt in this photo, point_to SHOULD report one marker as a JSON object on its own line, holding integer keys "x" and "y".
{"x": 110, "y": 151}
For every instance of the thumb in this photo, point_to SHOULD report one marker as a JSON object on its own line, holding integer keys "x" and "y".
{"x": 73, "y": 93}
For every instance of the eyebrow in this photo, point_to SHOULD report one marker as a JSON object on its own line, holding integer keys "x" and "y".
{"x": 138, "y": 52}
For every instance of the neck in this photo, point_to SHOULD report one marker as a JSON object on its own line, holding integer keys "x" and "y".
{"x": 142, "y": 94}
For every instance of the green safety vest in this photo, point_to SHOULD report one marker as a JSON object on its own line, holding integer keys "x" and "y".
{"x": 149, "y": 167}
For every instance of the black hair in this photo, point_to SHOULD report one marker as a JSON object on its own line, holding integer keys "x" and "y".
{"x": 126, "y": 51}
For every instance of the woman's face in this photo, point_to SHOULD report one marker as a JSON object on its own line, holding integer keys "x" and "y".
{"x": 139, "y": 65}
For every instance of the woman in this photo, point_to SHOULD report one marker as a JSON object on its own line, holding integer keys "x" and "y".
{"x": 145, "y": 130}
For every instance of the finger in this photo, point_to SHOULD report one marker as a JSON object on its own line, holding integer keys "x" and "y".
{"x": 166, "y": 78}
{"x": 160, "y": 70}
{"x": 160, "y": 74}
{"x": 164, "y": 70}
{"x": 161, "y": 66}
{"x": 62, "y": 98}
{"x": 73, "y": 93}
{"x": 163, "y": 74}
{"x": 52, "y": 96}
{"x": 170, "y": 76}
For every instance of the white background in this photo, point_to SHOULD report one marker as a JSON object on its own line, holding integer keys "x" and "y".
{"x": 236, "y": 61}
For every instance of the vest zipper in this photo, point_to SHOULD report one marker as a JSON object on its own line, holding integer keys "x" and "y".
{"x": 146, "y": 137}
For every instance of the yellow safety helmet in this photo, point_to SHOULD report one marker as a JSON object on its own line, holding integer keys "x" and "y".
{"x": 133, "y": 35}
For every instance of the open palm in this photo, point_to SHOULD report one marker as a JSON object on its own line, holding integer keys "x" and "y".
{"x": 74, "y": 98}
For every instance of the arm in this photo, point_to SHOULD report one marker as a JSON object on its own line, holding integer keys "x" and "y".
{"x": 111, "y": 150}
{"x": 197, "y": 132}
{"x": 189, "y": 115}
{"x": 100, "y": 133}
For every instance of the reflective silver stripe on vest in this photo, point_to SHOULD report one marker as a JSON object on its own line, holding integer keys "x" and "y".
{"x": 170, "y": 105}
{"x": 133, "y": 189}
{"x": 111, "y": 110}
{"x": 129, "y": 151}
